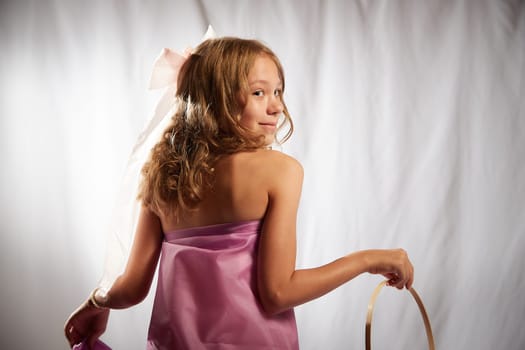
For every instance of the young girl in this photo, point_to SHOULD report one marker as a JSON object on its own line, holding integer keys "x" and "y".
{"x": 219, "y": 207}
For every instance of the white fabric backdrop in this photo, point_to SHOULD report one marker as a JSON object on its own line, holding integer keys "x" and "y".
{"x": 410, "y": 126}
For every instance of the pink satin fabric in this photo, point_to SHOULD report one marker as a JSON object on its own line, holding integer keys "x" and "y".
{"x": 206, "y": 293}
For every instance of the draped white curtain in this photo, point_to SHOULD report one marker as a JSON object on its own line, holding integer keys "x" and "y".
{"x": 410, "y": 124}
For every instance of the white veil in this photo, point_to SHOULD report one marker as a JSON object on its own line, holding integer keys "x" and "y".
{"x": 123, "y": 222}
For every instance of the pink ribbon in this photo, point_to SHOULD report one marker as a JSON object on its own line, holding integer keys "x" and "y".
{"x": 167, "y": 66}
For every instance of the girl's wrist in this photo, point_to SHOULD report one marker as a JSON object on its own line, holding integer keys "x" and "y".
{"x": 366, "y": 260}
{"x": 95, "y": 299}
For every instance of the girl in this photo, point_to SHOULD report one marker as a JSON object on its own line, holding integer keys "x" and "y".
{"x": 219, "y": 207}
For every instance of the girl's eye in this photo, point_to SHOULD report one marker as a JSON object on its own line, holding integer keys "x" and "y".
{"x": 258, "y": 93}
{"x": 277, "y": 92}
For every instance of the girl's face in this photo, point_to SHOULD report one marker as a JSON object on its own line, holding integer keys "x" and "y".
{"x": 263, "y": 105}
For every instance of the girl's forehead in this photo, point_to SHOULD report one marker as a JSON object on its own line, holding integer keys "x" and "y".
{"x": 263, "y": 68}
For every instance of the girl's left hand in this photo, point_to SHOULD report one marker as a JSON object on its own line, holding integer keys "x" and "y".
{"x": 87, "y": 323}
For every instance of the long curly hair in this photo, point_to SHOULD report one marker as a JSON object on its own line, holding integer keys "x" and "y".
{"x": 211, "y": 88}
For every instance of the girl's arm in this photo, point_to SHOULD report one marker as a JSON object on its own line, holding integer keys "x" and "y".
{"x": 280, "y": 285}
{"x": 89, "y": 321}
{"x": 134, "y": 284}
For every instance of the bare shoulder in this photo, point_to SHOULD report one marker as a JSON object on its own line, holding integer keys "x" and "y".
{"x": 275, "y": 162}
{"x": 280, "y": 171}
{"x": 265, "y": 169}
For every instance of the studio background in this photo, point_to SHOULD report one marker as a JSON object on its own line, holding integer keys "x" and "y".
{"x": 410, "y": 125}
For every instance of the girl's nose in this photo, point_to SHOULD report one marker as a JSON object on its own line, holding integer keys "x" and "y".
{"x": 275, "y": 107}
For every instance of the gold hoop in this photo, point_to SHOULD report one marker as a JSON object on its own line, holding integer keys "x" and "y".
{"x": 371, "y": 303}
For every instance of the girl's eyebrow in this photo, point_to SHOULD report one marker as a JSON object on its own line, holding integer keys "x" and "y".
{"x": 263, "y": 81}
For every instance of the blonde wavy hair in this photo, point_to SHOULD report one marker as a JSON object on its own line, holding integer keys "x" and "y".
{"x": 211, "y": 88}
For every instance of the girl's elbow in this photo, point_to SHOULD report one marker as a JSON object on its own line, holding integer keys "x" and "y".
{"x": 273, "y": 303}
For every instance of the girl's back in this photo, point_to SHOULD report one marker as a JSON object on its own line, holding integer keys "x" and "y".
{"x": 240, "y": 190}
{"x": 207, "y": 281}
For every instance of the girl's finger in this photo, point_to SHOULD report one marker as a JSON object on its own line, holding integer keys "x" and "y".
{"x": 72, "y": 335}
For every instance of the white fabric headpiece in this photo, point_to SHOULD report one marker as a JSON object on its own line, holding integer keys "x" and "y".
{"x": 127, "y": 208}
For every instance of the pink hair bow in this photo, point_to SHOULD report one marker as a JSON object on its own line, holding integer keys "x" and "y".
{"x": 167, "y": 66}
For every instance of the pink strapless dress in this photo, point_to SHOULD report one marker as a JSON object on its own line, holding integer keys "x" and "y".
{"x": 207, "y": 294}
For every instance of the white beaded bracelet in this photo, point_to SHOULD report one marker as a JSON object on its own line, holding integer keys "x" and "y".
{"x": 93, "y": 301}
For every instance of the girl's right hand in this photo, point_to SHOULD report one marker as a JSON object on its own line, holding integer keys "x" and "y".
{"x": 87, "y": 323}
{"x": 394, "y": 264}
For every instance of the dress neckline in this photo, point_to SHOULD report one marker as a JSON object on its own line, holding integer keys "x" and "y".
{"x": 226, "y": 227}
